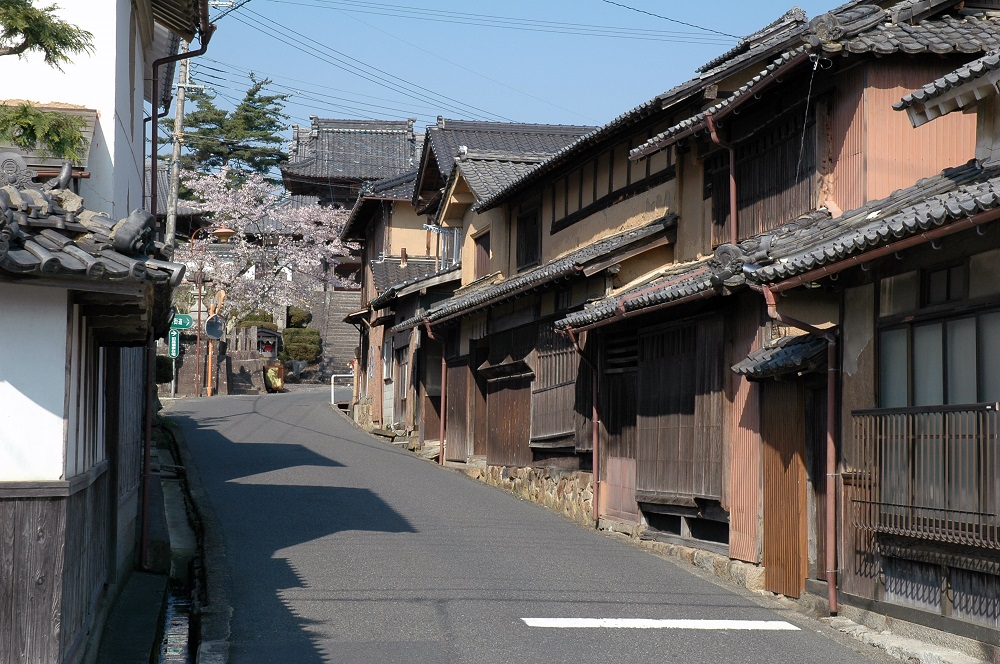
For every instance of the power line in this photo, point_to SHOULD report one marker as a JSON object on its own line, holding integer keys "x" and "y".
{"x": 344, "y": 62}
{"x": 506, "y": 22}
{"x": 672, "y": 20}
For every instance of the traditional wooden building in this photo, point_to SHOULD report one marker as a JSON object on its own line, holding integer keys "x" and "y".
{"x": 85, "y": 290}
{"x": 682, "y": 332}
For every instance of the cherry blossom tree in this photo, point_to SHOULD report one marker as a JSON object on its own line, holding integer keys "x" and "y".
{"x": 276, "y": 254}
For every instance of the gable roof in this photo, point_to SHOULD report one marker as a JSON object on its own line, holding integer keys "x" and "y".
{"x": 389, "y": 271}
{"x": 445, "y": 138}
{"x": 396, "y": 188}
{"x": 353, "y": 150}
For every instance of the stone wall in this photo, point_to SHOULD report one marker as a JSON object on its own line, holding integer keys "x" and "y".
{"x": 567, "y": 492}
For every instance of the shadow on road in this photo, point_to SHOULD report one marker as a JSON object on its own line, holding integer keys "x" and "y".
{"x": 267, "y": 497}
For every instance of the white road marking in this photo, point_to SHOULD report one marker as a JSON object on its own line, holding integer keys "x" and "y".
{"x": 643, "y": 623}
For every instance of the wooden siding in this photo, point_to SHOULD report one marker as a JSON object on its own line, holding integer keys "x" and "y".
{"x": 680, "y": 413}
{"x": 897, "y": 154}
{"x": 48, "y": 599}
{"x": 786, "y": 563}
{"x": 553, "y": 392}
{"x": 457, "y": 419}
{"x": 844, "y": 142}
{"x": 131, "y": 408}
{"x": 509, "y": 405}
{"x": 618, "y": 490}
{"x": 743, "y": 479}
{"x": 85, "y": 569}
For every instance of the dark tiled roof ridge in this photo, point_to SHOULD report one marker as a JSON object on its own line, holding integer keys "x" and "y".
{"x": 516, "y": 127}
{"x": 336, "y": 124}
{"x": 802, "y": 352}
{"x": 500, "y": 155}
{"x": 374, "y": 186}
{"x": 793, "y": 17}
{"x": 390, "y": 293}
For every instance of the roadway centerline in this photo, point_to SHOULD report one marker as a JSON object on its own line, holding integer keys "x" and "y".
{"x": 644, "y": 623}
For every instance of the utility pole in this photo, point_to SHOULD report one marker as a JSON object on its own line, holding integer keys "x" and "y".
{"x": 175, "y": 171}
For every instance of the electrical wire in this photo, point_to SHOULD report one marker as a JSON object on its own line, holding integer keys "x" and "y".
{"x": 511, "y": 23}
{"x": 380, "y": 76}
{"x": 667, "y": 18}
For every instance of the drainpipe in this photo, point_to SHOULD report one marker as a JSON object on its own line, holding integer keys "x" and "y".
{"x": 205, "y": 32}
{"x": 831, "y": 447}
{"x": 444, "y": 391}
{"x": 733, "y": 226}
{"x": 595, "y": 430}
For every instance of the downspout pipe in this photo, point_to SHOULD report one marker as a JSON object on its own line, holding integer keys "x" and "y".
{"x": 595, "y": 428}
{"x": 444, "y": 391}
{"x": 733, "y": 225}
{"x": 831, "y": 446}
{"x": 205, "y": 32}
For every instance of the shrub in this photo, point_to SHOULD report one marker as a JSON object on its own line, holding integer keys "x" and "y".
{"x": 298, "y": 318}
{"x": 300, "y": 344}
{"x": 164, "y": 369}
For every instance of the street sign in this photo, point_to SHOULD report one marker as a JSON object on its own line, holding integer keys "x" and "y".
{"x": 181, "y": 322}
{"x": 174, "y": 343}
{"x": 215, "y": 326}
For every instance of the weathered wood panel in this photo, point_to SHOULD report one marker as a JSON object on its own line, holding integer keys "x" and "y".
{"x": 843, "y": 147}
{"x": 85, "y": 568}
{"x": 915, "y": 153}
{"x": 786, "y": 563}
{"x": 480, "y": 413}
{"x": 457, "y": 419}
{"x": 618, "y": 490}
{"x": 680, "y": 413}
{"x": 509, "y": 405}
{"x": 553, "y": 392}
{"x": 31, "y": 555}
{"x": 131, "y": 407}
{"x": 976, "y": 597}
{"x": 742, "y": 483}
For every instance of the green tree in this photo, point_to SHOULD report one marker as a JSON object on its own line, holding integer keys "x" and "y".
{"x": 245, "y": 139}
{"x": 24, "y": 29}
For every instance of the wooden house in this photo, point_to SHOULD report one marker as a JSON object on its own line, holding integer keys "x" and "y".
{"x": 86, "y": 291}
{"x": 715, "y": 422}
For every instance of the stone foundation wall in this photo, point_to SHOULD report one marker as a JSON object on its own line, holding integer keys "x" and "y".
{"x": 568, "y": 492}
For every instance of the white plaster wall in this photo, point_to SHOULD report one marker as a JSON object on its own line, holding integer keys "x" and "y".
{"x": 32, "y": 382}
{"x": 110, "y": 81}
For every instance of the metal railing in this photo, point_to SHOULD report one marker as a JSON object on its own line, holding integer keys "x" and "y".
{"x": 341, "y": 389}
{"x": 928, "y": 473}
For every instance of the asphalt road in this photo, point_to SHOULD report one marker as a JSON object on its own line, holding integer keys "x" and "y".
{"x": 341, "y": 548}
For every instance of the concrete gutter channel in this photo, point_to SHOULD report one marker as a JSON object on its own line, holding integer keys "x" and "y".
{"x": 212, "y": 612}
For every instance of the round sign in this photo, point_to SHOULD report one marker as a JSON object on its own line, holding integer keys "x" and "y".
{"x": 215, "y": 326}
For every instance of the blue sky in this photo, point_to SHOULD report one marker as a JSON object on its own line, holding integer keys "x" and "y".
{"x": 550, "y": 61}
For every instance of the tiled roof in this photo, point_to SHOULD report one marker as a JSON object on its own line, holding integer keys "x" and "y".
{"x": 791, "y": 22}
{"x": 673, "y": 283}
{"x": 356, "y": 150}
{"x": 387, "y": 271}
{"x": 965, "y": 74}
{"x": 390, "y": 293}
{"x": 810, "y": 242}
{"x": 446, "y": 137}
{"x": 396, "y": 188}
{"x": 489, "y": 172}
{"x": 719, "y": 110}
{"x": 48, "y": 233}
{"x": 570, "y": 265}
{"x": 816, "y": 240}
{"x": 794, "y": 354}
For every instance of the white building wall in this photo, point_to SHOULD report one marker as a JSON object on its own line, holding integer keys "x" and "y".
{"x": 108, "y": 80}
{"x": 33, "y": 383}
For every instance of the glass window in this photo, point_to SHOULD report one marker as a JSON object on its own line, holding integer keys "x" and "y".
{"x": 900, "y": 293}
{"x": 989, "y": 333}
{"x": 961, "y": 360}
{"x": 928, "y": 365}
{"x": 893, "y": 372}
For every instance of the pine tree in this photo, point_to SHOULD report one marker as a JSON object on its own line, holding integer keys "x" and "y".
{"x": 247, "y": 139}
{"x": 24, "y": 28}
